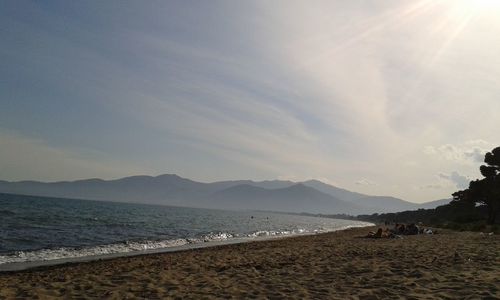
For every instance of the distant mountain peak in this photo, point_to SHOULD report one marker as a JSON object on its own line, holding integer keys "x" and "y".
{"x": 171, "y": 189}
{"x": 246, "y": 186}
{"x": 169, "y": 176}
{"x": 314, "y": 181}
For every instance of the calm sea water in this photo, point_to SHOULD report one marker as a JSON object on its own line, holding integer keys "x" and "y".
{"x": 40, "y": 229}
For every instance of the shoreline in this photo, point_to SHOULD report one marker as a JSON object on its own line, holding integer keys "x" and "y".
{"x": 336, "y": 264}
{"x": 29, "y": 265}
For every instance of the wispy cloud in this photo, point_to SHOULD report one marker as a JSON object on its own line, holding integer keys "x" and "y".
{"x": 31, "y": 158}
{"x": 470, "y": 152}
{"x": 458, "y": 180}
{"x": 337, "y": 90}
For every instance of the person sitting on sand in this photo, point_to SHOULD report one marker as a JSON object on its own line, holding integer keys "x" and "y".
{"x": 395, "y": 229}
{"x": 400, "y": 229}
{"x": 388, "y": 234}
{"x": 375, "y": 235}
{"x": 411, "y": 229}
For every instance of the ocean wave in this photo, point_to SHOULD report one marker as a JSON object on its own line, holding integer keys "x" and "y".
{"x": 134, "y": 246}
{"x": 131, "y": 247}
{"x": 6, "y": 212}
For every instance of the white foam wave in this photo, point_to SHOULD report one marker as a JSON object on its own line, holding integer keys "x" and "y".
{"x": 135, "y": 247}
{"x": 100, "y": 250}
{"x": 271, "y": 233}
{"x": 65, "y": 253}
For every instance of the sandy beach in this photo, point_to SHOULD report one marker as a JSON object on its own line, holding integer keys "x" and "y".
{"x": 338, "y": 265}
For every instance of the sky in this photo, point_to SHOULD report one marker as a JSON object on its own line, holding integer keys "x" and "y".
{"x": 398, "y": 98}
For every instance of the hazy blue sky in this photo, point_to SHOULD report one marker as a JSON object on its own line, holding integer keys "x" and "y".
{"x": 388, "y": 97}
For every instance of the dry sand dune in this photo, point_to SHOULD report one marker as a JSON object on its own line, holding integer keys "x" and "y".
{"x": 451, "y": 265}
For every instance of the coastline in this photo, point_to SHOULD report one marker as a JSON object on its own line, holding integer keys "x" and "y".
{"x": 336, "y": 264}
{"x": 27, "y": 265}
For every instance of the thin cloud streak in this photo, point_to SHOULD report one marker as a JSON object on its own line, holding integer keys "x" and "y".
{"x": 334, "y": 90}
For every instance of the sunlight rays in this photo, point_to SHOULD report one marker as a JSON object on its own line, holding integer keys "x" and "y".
{"x": 485, "y": 4}
{"x": 458, "y": 16}
{"x": 455, "y": 18}
{"x": 370, "y": 27}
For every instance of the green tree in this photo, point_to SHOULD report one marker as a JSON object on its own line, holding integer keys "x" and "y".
{"x": 485, "y": 191}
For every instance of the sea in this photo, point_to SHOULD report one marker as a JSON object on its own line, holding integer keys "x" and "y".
{"x": 37, "y": 231}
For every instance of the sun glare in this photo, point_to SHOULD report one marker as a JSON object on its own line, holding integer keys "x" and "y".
{"x": 482, "y": 4}
{"x": 486, "y": 3}
{"x": 476, "y": 6}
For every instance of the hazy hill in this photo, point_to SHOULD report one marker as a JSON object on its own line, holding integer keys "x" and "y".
{"x": 163, "y": 189}
{"x": 434, "y": 204}
{"x": 383, "y": 204}
{"x": 267, "y": 184}
{"x": 310, "y": 196}
{"x": 369, "y": 204}
{"x": 333, "y": 190}
{"x": 295, "y": 198}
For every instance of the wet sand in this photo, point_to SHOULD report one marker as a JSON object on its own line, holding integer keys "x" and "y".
{"x": 449, "y": 265}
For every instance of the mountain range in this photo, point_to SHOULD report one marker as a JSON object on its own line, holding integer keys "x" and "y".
{"x": 311, "y": 196}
